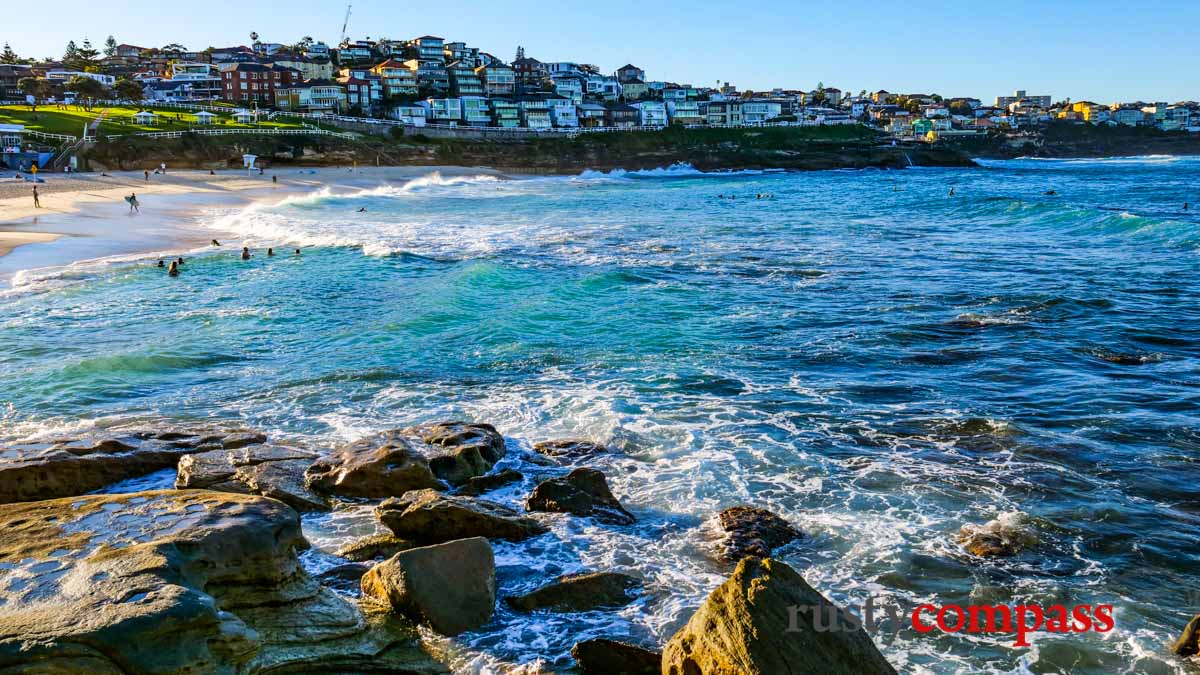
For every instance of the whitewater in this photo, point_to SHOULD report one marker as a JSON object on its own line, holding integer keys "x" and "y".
{"x": 859, "y": 351}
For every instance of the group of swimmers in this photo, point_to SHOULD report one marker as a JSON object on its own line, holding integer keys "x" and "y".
{"x": 761, "y": 195}
{"x": 173, "y": 268}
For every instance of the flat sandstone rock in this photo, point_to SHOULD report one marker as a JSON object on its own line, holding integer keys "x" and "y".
{"x": 175, "y": 581}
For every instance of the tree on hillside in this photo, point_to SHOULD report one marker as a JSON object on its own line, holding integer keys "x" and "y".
{"x": 87, "y": 91}
{"x": 31, "y": 86}
{"x": 87, "y": 54}
{"x": 8, "y": 55}
{"x": 174, "y": 48}
{"x": 110, "y": 46}
{"x": 129, "y": 90}
{"x": 70, "y": 53}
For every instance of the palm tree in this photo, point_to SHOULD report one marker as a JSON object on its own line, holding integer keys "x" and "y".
{"x": 253, "y": 36}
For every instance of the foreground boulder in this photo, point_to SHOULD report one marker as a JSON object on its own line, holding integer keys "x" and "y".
{"x": 578, "y": 593}
{"x": 601, "y": 656}
{"x": 1188, "y": 643}
{"x": 268, "y": 470}
{"x": 570, "y": 449}
{"x": 583, "y": 492}
{"x": 493, "y": 481}
{"x": 450, "y": 587}
{"x": 428, "y": 516}
{"x": 374, "y": 547}
{"x": 65, "y": 467}
{"x": 384, "y": 465}
{"x": 177, "y": 581}
{"x": 461, "y": 450}
{"x": 1007, "y": 535}
{"x": 751, "y": 531}
{"x": 760, "y": 622}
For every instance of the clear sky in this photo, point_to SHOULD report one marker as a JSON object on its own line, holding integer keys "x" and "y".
{"x": 1101, "y": 50}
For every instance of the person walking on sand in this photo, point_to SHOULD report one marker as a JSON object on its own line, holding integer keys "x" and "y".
{"x": 173, "y": 270}
{"x": 245, "y": 253}
{"x": 163, "y": 166}
{"x": 274, "y": 179}
{"x": 133, "y": 203}
{"x": 37, "y": 203}
{"x": 146, "y": 172}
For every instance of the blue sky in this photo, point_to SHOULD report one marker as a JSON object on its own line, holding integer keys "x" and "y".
{"x": 1099, "y": 49}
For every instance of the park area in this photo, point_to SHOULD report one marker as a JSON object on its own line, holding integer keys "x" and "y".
{"x": 123, "y": 119}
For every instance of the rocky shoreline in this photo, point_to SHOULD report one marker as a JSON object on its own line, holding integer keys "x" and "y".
{"x": 206, "y": 577}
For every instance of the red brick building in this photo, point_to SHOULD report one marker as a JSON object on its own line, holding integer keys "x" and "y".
{"x": 255, "y": 82}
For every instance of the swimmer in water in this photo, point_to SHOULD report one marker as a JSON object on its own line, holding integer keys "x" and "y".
{"x": 1050, "y": 193}
{"x": 951, "y": 192}
{"x": 270, "y": 252}
{"x": 245, "y": 253}
{"x": 297, "y": 251}
{"x": 173, "y": 270}
{"x": 215, "y": 242}
{"x": 362, "y": 210}
{"x": 161, "y": 264}
{"x": 180, "y": 261}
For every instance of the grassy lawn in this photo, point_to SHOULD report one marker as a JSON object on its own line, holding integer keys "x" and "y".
{"x": 119, "y": 120}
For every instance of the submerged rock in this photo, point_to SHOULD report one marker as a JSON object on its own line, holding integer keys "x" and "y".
{"x": 1007, "y": 535}
{"x": 751, "y": 531}
{"x": 583, "y": 492}
{"x": 429, "y": 516}
{"x": 461, "y": 450}
{"x": 77, "y": 465}
{"x": 450, "y": 587}
{"x": 601, "y": 656}
{"x": 384, "y": 465}
{"x": 268, "y": 470}
{"x": 761, "y": 621}
{"x": 176, "y": 581}
{"x": 1188, "y": 643}
{"x": 578, "y": 593}
{"x": 493, "y": 481}
{"x": 570, "y": 448}
{"x": 374, "y": 547}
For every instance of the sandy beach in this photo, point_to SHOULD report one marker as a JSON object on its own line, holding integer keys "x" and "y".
{"x": 85, "y": 216}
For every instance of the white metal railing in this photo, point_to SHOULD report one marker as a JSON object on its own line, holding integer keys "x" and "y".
{"x": 230, "y": 132}
{"x": 53, "y": 137}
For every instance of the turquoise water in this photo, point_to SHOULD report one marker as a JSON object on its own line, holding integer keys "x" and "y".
{"x": 876, "y": 360}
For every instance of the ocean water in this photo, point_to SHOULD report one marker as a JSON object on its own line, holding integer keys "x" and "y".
{"x": 874, "y": 359}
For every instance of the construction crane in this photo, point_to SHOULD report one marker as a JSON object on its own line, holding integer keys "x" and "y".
{"x": 345, "y": 23}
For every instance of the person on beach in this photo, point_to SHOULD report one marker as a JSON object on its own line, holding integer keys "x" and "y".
{"x": 274, "y": 178}
{"x": 146, "y": 172}
{"x": 245, "y": 253}
{"x": 173, "y": 270}
{"x": 133, "y": 203}
{"x": 270, "y": 252}
{"x": 37, "y": 203}
{"x": 163, "y": 166}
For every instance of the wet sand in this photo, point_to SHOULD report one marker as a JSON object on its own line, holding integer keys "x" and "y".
{"x": 85, "y": 216}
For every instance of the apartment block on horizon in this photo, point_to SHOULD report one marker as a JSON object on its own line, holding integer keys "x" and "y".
{"x": 1042, "y": 100}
